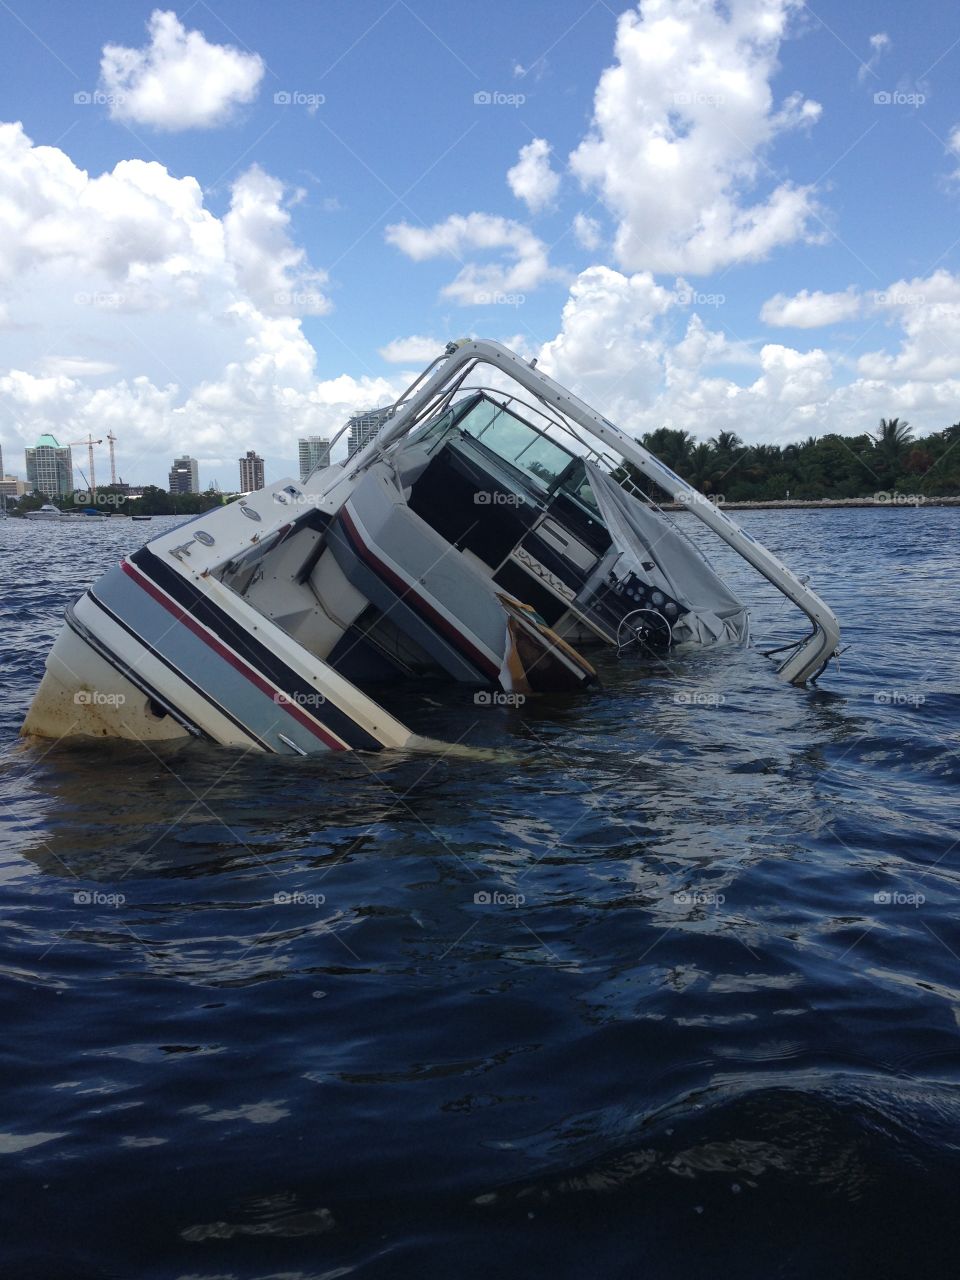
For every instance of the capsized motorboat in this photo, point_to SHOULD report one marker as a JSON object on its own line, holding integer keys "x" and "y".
{"x": 487, "y": 534}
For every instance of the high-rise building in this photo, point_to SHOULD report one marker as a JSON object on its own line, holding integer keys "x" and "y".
{"x": 50, "y": 468}
{"x": 314, "y": 453}
{"x": 184, "y": 475}
{"x": 251, "y": 472}
{"x": 11, "y": 487}
{"x": 364, "y": 426}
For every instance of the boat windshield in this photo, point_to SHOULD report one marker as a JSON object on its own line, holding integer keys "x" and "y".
{"x": 516, "y": 441}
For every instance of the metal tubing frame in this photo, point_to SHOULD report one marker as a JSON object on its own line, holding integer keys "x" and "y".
{"x": 811, "y": 654}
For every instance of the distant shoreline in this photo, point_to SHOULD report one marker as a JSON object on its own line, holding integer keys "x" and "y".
{"x": 909, "y": 500}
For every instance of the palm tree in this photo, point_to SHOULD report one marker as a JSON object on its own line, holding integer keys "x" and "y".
{"x": 700, "y": 466}
{"x": 763, "y": 459}
{"x": 889, "y": 448}
{"x": 727, "y": 442}
{"x": 893, "y": 437}
{"x": 671, "y": 446}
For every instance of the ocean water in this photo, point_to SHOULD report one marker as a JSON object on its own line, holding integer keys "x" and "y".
{"x": 667, "y": 982}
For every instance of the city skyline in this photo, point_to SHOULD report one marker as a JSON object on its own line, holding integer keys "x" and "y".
{"x": 312, "y": 448}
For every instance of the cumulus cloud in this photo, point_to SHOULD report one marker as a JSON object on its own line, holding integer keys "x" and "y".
{"x": 522, "y": 267}
{"x": 620, "y": 347}
{"x": 927, "y": 309}
{"x": 179, "y": 80}
{"x": 607, "y": 337}
{"x": 270, "y": 268}
{"x": 133, "y": 307}
{"x": 531, "y": 179}
{"x": 807, "y": 310}
{"x": 679, "y": 124}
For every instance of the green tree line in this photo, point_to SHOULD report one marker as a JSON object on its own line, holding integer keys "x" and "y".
{"x": 829, "y": 466}
{"x": 153, "y": 502}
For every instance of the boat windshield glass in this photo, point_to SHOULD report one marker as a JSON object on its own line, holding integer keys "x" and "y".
{"x": 431, "y": 431}
{"x": 577, "y": 485}
{"x": 516, "y": 442}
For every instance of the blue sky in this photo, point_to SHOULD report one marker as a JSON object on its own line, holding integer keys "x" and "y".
{"x": 735, "y": 157}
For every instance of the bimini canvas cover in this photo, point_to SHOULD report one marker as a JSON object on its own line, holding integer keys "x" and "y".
{"x": 713, "y": 614}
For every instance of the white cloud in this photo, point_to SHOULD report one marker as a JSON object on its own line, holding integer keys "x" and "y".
{"x": 879, "y": 44}
{"x": 531, "y": 179}
{"x": 270, "y": 268}
{"x": 587, "y": 231}
{"x": 928, "y": 312}
{"x": 679, "y": 124}
{"x": 792, "y": 378}
{"x": 618, "y": 347}
{"x": 179, "y": 80}
{"x": 523, "y": 266}
{"x": 133, "y": 307}
{"x": 606, "y": 341}
{"x": 415, "y": 349}
{"x": 810, "y": 310}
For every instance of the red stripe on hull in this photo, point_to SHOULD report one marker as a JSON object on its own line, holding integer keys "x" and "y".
{"x": 409, "y": 596}
{"x": 250, "y": 673}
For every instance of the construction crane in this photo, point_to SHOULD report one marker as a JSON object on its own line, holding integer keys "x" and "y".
{"x": 112, "y": 439}
{"x": 89, "y": 442}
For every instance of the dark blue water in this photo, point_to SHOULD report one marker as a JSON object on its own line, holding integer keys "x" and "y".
{"x": 689, "y": 1038}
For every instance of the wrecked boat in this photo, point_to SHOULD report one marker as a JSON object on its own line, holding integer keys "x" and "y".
{"x": 487, "y": 534}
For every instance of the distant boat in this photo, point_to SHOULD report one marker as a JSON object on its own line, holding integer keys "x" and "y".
{"x": 49, "y": 512}
{"x": 141, "y": 517}
{"x": 86, "y": 513}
